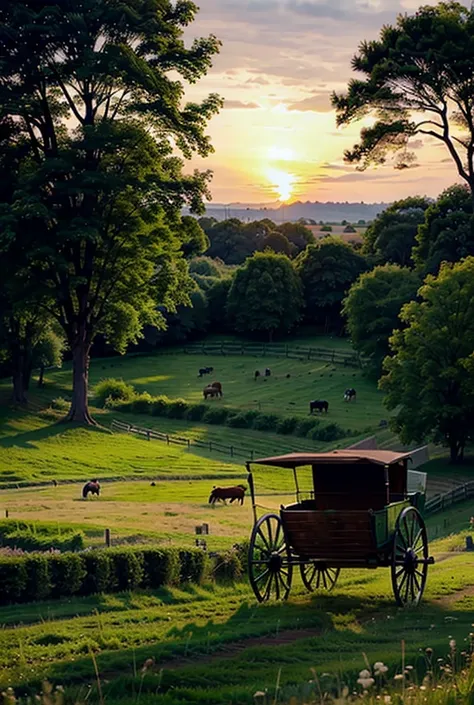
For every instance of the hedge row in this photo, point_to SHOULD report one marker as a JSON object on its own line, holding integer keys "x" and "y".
{"x": 32, "y": 537}
{"x": 259, "y": 421}
{"x": 26, "y": 578}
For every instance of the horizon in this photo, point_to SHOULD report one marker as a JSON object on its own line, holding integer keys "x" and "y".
{"x": 276, "y": 138}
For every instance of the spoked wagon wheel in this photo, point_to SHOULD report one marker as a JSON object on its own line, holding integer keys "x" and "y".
{"x": 270, "y": 568}
{"x": 409, "y": 557}
{"x": 317, "y": 576}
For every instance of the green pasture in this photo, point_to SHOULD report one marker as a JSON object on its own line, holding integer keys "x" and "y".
{"x": 210, "y": 644}
{"x": 176, "y": 375}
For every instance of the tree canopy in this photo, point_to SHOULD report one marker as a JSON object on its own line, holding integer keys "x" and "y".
{"x": 265, "y": 295}
{"x": 392, "y": 235}
{"x": 372, "y": 308}
{"x": 428, "y": 379}
{"x": 327, "y": 270}
{"x": 417, "y": 83}
{"x": 92, "y": 106}
{"x": 446, "y": 235}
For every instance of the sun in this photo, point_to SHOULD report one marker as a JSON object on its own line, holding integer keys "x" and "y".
{"x": 282, "y": 182}
{"x": 281, "y": 154}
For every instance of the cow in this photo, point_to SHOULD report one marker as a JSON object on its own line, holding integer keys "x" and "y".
{"x": 205, "y": 371}
{"x": 268, "y": 372}
{"x": 350, "y": 394}
{"x": 223, "y": 493}
{"x": 213, "y": 390}
{"x": 93, "y": 487}
{"x": 318, "y": 405}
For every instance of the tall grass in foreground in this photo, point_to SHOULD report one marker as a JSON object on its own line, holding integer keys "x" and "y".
{"x": 441, "y": 681}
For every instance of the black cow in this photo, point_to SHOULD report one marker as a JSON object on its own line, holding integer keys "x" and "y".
{"x": 205, "y": 371}
{"x": 268, "y": 372}
{"x": 350, "y": 394}
{"x": 318, "y": 405}
{"x": 93, "y": 487}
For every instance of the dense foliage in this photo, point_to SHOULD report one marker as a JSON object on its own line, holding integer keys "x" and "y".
{"x": 92, "y": 118}
{"x": 39, "y": 576}
{"x": 372, "y": 308}
{"x": 428, "y": 379}
{"x": 265, "y": 295}
{"x": 417, "y": 82}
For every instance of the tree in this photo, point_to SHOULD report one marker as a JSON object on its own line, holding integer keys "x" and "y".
{"x": 265, "y": 296}
{"x": 231, "y": 241}
{"x": 417, "y": 83}
{"x": 392, "y": 235}
{"x": 91, "y": 91}
{"x": 326, "y": 228}
{"x": 217, "y": 297}
{"x": 48, "y": 353}
{"x": 193, "y": 237}
{"x": 372, "y": 308}
{"x": 327, "y": 270}
{"x": 446, "y": 235}
{"x": 297, "y": 234}
{"x": 277, "y": 242}
{"x": 429, "y": 378}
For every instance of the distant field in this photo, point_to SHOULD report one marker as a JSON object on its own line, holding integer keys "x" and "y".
{"x": 177, "y": 376}
{"x": 338, "y": 231}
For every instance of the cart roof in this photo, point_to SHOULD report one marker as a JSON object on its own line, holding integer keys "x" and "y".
{"x": 338, "y": 457}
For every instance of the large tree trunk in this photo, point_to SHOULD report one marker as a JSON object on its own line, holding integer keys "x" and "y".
{"x": 79, "y": 411}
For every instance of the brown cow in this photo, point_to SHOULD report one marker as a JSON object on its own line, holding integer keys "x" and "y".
{"x": 212, "y": 390}
{"x": 223, "y": 493}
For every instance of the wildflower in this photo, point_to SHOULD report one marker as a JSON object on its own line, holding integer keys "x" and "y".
{"x": 366, "y": 682}
{"x": 364, "y": 674}
{"x": 409, "y": 668}
{"x": 148, "y": 664}
{"x": 399, "y": 677}
{"x": 379, "y": 668}
{"x": 452, "y": 644}
{"x": 429, "y": 651}
{"x": 387, "y": 699}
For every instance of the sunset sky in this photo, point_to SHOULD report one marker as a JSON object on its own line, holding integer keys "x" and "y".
{"x": 276, "y": 138}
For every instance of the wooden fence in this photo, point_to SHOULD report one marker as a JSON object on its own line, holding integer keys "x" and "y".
{"x": 292, "y": 352}
{"x": 443, "y": 501}
{"x": 170, "y": 439}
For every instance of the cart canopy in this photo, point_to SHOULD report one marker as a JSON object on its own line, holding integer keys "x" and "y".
{"x": 337, "y": 457}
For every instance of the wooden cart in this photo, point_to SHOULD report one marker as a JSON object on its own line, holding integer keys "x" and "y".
{"x": 358, "y": 514}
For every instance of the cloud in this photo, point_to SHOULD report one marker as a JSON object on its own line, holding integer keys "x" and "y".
{"x": 240, "y": 105}
{"x": 319, "y": 103}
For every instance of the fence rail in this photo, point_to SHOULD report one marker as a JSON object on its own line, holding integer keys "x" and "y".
{"x": 297, "y": 352}
{"x": 170, "y": 439}
{"x": 442, "y": 501}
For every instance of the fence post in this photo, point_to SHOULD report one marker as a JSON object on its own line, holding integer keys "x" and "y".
{"x": 210, "y": 445}
{"x": 148, "y": 435}
{"x": 189, "y": 444}
{"x": 231, "y": 451}
{"x": 167, "y": 439}
{"x": 6, "y": 513}
{"x": 107, "y": 538}
{"x": 251, "y": 455}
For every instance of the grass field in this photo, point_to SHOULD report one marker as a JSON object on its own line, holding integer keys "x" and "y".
{"x": 216, "y": 645}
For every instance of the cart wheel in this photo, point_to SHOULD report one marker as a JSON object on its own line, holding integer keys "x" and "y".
{"x": 409, "y": 557}
{"x": 317, "y": 576}
{"x": 270, "y": 567}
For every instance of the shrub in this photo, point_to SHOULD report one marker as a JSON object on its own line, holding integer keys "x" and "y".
{"x": 238, "y": 421}
{"x": 67, "y": 573}
{"x": 331, "y": 432}
{"x": 266, "y": 422}
{"x": 127, "y": 568}
{"x": 142, "y": 403}
{"x": 242, "y": 550}
{"x": 60, "y": 404}
{"x": 99, "y": 577}
{"x": 161, "y": 567}
{"x": 160, "y": 406}
{"x": 216, "y": 415}
{"x": 196, "y": 412}
{"x": 38, "y": 585}
{"x": 176, "y": 409}
{"x": 28, "y": 541}
{"x": 13, "y": 579}
{"x": 287, "y": 425}
{"x": 114, "y": 389}
{"x": 304, "y": 426}
{"x": 192, "y": 565}
{"x": 228, "y": 566}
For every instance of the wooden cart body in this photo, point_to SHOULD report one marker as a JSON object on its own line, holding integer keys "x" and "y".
{"x": 358, "y": 505}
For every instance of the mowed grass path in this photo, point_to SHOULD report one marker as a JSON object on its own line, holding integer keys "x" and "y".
{"x": 176, "y": 376}
{"x": 216, "y": 644}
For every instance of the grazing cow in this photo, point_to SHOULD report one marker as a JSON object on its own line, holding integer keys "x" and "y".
{"x": 350, "y": 394}
{"x": 318, "y": 405}
{"x": 93, "y": 487}
{"x": 223, "y": 493}
{"x": 256, "y": 375}
{"x": 213, "y": 390}
{"x": 268, "y": 372}
{"x": 205, "y": 371}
